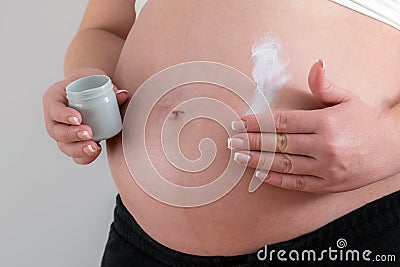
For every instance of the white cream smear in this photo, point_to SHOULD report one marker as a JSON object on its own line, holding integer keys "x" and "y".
{"x": 270, "y": 75}
{"x": 269, "y": 72}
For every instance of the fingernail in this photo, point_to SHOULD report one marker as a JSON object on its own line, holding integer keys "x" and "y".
{"x": 323, "y": 64}
{"x": 89, "y": 150}
{"x": 74, "y": 120}
{"x": 261, "y": 175}
{"x": 238, "y": 125}
{"x": 234, "y": 143}
{"x": 241, "y": 158}
{"x": 122, "y": 91}
{"x": 83, "y": 135}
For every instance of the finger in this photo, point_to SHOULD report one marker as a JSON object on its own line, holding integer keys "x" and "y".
{"x": 295, "y": 182}
{"x": 84, "y": 161}
{"x": 86, "y": 149}
{"x": 278, "y": 162}
{"x": 324, "y": 90}
{"x": 67, "y": 134}
{"x": 292, "y": 121}
{"x": 122, "y": 95}
{"x": 301, "y": 144}
{"x": 55, "y": 106}
{"x": 59, "y": 112}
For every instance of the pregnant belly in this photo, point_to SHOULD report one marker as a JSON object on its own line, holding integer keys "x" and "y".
{"x": 172, "y": 32}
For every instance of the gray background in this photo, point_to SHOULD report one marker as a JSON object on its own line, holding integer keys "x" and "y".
{"x": 53, "y": 212}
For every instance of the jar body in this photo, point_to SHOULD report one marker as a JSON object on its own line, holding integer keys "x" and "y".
{"x": 98, "y": 106}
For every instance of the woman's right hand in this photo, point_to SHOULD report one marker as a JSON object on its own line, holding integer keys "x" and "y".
{"x": 63, "y": 123}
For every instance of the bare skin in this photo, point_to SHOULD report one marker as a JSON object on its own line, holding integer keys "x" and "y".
{"x": 321, "y": 150}
{"x": 363, "y": 57}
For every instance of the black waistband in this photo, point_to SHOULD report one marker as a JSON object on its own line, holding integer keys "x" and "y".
{"x": 367, "y": 222}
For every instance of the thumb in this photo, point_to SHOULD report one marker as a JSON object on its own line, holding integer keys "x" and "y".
{"x": 324, "y": 90}
{"x": 122, "y": 95}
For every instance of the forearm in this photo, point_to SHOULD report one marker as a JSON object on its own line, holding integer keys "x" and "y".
{"x": 93, "y": 48}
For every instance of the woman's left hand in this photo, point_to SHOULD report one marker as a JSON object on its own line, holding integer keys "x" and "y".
{"x": 343, "y": 146}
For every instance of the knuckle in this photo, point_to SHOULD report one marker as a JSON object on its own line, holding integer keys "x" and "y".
{"x": 58, "y": 136}
{"x": 327, "y": 87}
{"x": 300, "y": 183}
{"x": 331, "y": 173}
{"x": 50, "y": 129}
{"x": 256, "y": 141}
{"x": 279, "y": 179}
{"x": 50, "y": 110}
{"x": 47, "y": 94}
{"x": 286, "y": 164}
{"x": 281, "y": 142}
{"x": 332, "y": 149}
{"x": 337, "y": 176}
{"x": 47, "y": 113}
{"x": 281, "y": 122}
{"x": 55, "y": 135}
{"x": 68, "y": 134}
{"x": 54, "y": 88}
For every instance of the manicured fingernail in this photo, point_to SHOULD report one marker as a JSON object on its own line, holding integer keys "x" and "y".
{"x": 89, "y": 150}
{"x": 238, "y": 125}
{"x": 261, "y": 175}
{"x": 83, "y": 135}
{"x": 122, "y": 91}
{"x": 241, "y": 158}
{"x": 74, "y": 120}
{"x": 234, "y": 143}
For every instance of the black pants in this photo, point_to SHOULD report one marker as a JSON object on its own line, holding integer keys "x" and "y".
{"x": 374, "y": 227}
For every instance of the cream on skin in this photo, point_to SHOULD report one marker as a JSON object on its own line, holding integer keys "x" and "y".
{"x": 269, "y": 72}
{"x": 270, "y": 75}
